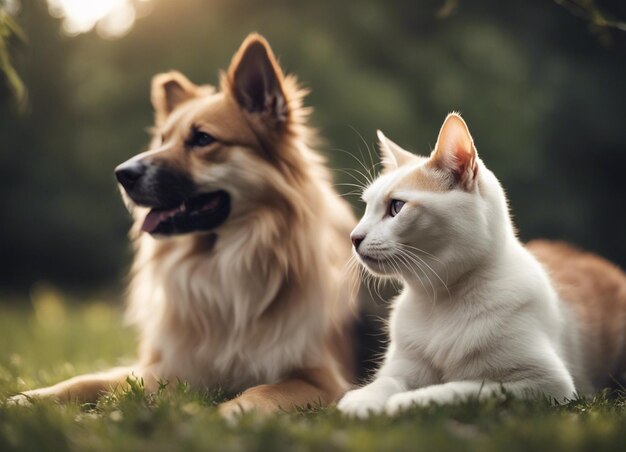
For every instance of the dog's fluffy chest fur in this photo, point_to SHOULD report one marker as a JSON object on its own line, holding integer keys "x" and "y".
{"x": 212, "y": 318}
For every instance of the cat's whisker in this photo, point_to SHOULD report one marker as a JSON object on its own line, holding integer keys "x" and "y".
{"x": 360, "y": 150}
{"x": 373, "y": 165}
{"x": 426, "y": 263}
{"x": 396, "y": 282}
{"x": 368, "y": 278}
{"x": 393, "y": 266}
{"x": 350, "y": 184}
{"x": 419, "y": 250}
{"x": 411, "y": 268}
{"x": 356, "y": 191}
{"x": 379, "y": 283}
{"x": 434, "y": 258}
{"x": 351, "y": 193}
{"x": 358, "y": 181}
{"x": 368, "y": 181}
{"x": 437, "y": 276}
{"x": 413, "y": 271}
{"x": 431, "y": 269}
{"x": 420, "y": 254}
{"x": 418, "y": 264}
{"x": 372, "y": 161}
{"x": 351, "y": 269}
{"x": 371, "y": 177}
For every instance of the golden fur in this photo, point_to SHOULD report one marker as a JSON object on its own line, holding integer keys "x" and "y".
{"x": 595, "y": 289}
{"x": 261, "y": 305}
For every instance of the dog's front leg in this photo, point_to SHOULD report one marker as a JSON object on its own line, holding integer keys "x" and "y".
{"x": 306, "y": 388}
{"x": 85, "y": 388}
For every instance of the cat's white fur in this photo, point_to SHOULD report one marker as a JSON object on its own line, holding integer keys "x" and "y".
{"x": 478, "y": 315}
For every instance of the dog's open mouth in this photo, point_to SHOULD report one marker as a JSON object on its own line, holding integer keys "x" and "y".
{"x": 200, "y": 213}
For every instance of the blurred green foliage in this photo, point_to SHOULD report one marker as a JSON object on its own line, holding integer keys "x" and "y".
{"x": 544, "y": 98}
{"x": 9, "y": 30}
{"x": 590, "y": 10}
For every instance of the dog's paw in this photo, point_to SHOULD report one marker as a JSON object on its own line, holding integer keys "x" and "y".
{"x": 361, "y": 404}
{"x": 232, "y": 410}
{"x": 19, "y": 400}
{"x": 27, "y": 398}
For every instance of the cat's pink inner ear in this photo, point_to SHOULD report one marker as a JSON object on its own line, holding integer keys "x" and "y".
{"x": 455, "y": 151}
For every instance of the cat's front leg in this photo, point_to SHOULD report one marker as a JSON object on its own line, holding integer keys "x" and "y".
{"x": 370, "y": 399}
{"x": 442, "y": 394}
{"x": 398, "y": 373}
{"x": 458, "y": 392}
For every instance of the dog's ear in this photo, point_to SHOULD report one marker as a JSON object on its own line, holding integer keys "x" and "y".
{"x": 169, "y": 90}
{"x": 393, "y": 156}
{"x": 255, "y": 79}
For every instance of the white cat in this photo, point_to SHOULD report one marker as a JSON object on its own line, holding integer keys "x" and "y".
{"x": 478, "y": 315}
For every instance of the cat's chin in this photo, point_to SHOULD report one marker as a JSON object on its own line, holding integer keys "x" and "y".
{"x": 378, "y": 267}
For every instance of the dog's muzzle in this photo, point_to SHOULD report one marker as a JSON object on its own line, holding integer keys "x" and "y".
{"x": 176, "y": 206}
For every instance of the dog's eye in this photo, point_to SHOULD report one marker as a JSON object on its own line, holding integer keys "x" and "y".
{"x": 395, "y": 206}
{"x": 201, "y": 139}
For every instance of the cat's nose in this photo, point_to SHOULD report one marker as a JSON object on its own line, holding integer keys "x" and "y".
{"x": 356, "y": 240}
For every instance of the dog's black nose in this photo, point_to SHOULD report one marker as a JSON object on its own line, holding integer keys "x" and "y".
{"x": 129, "y": 173}
{"x": 356, "y": 240}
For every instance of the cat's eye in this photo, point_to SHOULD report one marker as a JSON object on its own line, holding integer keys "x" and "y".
{"x": 200, "y": 139}
{"x": 395, "y": 206}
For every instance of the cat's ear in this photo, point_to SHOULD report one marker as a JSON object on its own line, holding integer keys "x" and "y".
{"x": 393, "y": 156}
{"x": 455, "y": 151}
{"x": 256, "y": 80}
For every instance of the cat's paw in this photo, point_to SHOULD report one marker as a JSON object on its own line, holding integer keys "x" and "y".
{"x": 361, "y": 404}
{"x": 403, "y": 401}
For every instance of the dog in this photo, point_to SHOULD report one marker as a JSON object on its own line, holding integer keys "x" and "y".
{"x": 241, "y": 243}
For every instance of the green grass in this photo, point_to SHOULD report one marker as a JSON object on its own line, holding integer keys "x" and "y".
{"x": 48, "y": 340}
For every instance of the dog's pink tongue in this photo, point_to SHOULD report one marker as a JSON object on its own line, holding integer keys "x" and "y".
{"x": 152, "y": 220}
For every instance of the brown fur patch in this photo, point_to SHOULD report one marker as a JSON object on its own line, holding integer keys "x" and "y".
{"x": 425, "y": 178}
{"x": 306, "y": 388}
{"x": 596, "y": 291}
